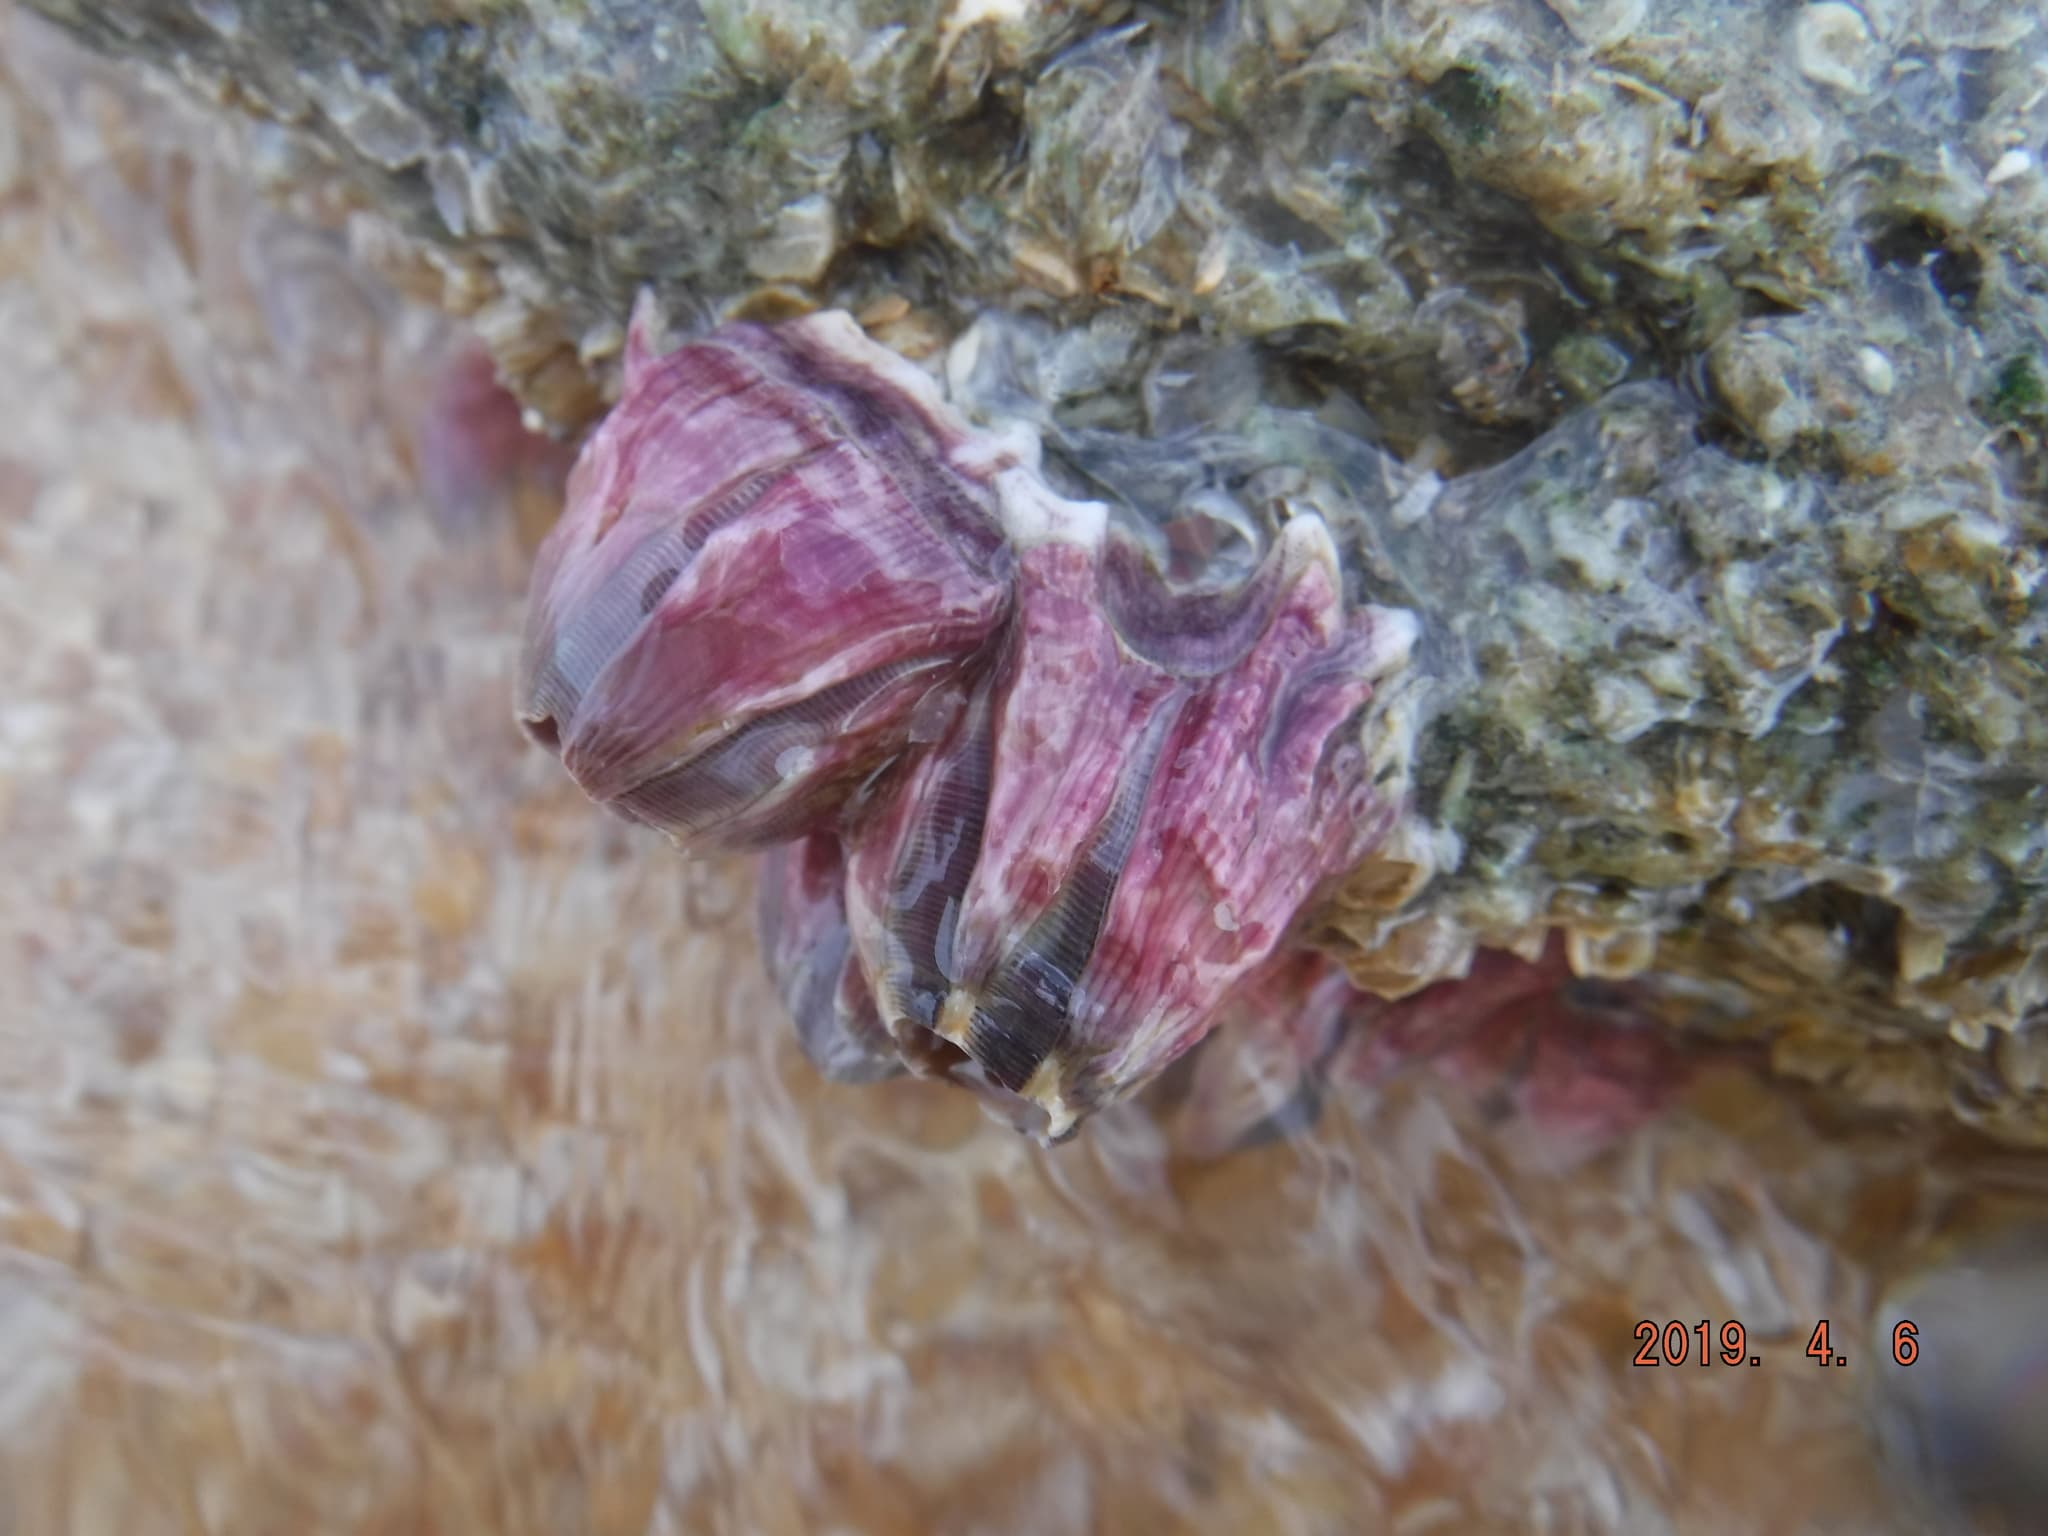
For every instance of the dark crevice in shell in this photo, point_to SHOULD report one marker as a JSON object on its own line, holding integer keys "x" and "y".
{"x": 801, "y": 915}
{"x": 717, "y": 784}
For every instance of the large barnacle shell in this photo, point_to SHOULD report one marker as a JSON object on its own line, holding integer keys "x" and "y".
{"x": 1129, "y": 814}
{"x": 778, "y": 559}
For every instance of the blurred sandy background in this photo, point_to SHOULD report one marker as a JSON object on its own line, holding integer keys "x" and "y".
{"x": 389, "y": 1143}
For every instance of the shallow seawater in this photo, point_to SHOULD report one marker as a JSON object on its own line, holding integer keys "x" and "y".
{"x": 389, "y": 1141}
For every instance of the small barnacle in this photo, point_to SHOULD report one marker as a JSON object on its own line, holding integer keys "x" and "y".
{"x": 778, "y": 561}
{"x": 1483, "y": 350}
{"x": 1833, "y": 46}
{"x": 1128, "y": 816}
{"x": 1105, "y": 169}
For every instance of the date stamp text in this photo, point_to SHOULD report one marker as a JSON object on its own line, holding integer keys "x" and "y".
{"x": 1675, "y": 1343}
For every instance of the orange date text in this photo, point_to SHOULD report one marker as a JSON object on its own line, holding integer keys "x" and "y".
{"x": 1676, "y": 1343}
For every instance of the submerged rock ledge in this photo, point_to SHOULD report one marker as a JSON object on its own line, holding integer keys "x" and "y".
{"x": 1687, "y": 384}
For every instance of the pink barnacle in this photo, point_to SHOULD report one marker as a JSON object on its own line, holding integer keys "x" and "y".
{"x": 778, "y": 563}
{"x": 1129, "y": 815}
{"x": 794, "y": 597}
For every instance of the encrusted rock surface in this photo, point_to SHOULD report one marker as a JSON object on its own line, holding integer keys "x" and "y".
{"x": 1681, "y": 367}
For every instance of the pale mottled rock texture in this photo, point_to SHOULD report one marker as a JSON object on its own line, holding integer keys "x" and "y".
{"x": 1681, "y": 367}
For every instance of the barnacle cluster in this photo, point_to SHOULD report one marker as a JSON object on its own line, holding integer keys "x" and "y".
{"x": 1046, "y": 805}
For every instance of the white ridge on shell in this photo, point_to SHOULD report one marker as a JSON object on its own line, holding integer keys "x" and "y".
{"x": 1033, "y": 512}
